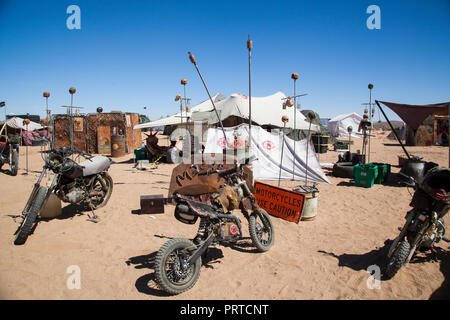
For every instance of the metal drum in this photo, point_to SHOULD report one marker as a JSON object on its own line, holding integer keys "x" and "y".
{"x": 117, "y": 146}
{"x": 310, "y": 208}
{"x": 414, "y": 168}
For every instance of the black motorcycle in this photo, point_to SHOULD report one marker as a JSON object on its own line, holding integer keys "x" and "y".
{"x": 424, "y": 226}
{"x": 9, "y": 153}
{"x": 178, "y": 262}
{"x": 73, "y": 182}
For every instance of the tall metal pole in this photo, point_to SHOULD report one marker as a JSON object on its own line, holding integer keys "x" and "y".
{"x": 249, "y": 47}
{"x": 294, "y": 76}
{"x": 194, "y": 62}
{"x": 284, "y": 119}
{"x": 370, "y": 86}
{"x": 72, "y": 90}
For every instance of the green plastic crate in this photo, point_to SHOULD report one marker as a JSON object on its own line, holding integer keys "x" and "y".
{"x": 384, "y": 169}
{"x": 365, "y": 174}
{"x": 140, "y": 153}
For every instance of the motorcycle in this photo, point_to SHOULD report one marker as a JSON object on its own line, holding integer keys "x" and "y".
{"x": 424, "y": 226}
{"x": 178, "y": 261}
{"x": 73, "y": 183}
{"x": 9, "y": 153}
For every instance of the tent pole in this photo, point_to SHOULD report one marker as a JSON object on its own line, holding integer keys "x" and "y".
{"x": 392, "y": 128}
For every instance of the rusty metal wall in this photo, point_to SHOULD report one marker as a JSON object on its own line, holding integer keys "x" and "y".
{"x": 85, "y": 130}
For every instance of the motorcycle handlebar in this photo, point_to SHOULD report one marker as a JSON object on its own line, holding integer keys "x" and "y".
{"x": 221, "y": 173}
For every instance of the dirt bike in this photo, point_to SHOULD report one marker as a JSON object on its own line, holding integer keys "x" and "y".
{"x": 9, "y": 153}
{"x": 73, "y": 182}
{"x": 178, "y": 262}
{"x": 424, "y": 226}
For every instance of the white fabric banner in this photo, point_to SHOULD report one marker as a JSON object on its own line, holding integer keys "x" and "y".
{"x": 268, "y": 147}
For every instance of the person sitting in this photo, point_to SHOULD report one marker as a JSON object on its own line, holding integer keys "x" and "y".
{"x": 173, "y": 154}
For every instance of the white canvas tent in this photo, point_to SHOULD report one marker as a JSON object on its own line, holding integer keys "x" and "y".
{"x": 176, "y": 118}
{"x": 265, "y": 111}
{"x": 267, "y": 147}
{"x": 338, "y": 125}
{"x": 17, "y": 123}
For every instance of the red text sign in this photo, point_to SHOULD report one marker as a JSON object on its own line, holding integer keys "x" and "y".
{"x": 287, "y": 205}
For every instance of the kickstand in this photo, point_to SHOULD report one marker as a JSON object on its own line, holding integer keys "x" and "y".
{"x": 94, "y": 217}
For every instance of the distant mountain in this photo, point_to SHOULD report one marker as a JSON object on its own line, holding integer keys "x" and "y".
{"x": 385, "y": 126}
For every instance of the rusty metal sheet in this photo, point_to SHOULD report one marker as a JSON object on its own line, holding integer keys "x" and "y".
{"x": 104, "y": 140}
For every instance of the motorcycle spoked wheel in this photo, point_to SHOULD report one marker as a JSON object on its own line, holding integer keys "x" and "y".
{"x": 14, "y": 162}
{"x": 28, "y": 221}
{"x": 172, "y": 273}
{"x": 97, "y": 186}
{"x": 398, "y": 258}
{"x": 261, "y": 230}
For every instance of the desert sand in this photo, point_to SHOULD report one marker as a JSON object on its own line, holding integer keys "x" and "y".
{"x": 326, "y": 258}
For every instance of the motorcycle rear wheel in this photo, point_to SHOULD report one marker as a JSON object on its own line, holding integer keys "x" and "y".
{"x": 262, "y": 234}
{"x": 172, "y": 274}
{"x": 396, "y": 262}
{"x": 109, "y": 184}
{"x": 30, "y": 216}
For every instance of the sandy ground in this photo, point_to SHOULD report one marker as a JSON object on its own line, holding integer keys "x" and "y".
{"x": 326, "y": 258}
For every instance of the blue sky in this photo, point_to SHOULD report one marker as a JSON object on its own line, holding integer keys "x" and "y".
{"x": 132, "y": 54}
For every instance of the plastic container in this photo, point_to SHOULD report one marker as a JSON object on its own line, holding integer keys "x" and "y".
{"x": 140, "y": 153}
{"x": 365, "y": 175}
{"x": 384, "y": 169}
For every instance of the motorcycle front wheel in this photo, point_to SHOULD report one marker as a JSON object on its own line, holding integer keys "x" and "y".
{"x": 30, "y": 215}
{"x": 172, "y": 272}
{"x": 398, "y": 258}
{"x": 261, "y": 230}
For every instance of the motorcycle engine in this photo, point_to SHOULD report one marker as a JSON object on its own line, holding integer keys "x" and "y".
{"x": 434, "y": 235}
{"x": 75, "y": 194}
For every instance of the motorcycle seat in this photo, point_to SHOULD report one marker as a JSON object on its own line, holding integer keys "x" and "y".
{"x": 95, "y": 165}
{"x": 201, "y": 209}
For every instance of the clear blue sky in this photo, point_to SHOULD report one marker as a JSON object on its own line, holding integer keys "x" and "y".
{"x": 131, "y": 54}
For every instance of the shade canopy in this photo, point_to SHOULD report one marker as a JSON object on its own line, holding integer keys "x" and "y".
{"x": 414, "y": 115}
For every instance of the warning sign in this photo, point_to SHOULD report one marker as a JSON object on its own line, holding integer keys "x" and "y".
{"x": 287, "y": 205}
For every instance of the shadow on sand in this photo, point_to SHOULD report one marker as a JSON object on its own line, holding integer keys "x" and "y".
{"x": 147, "y": 284}
{"x": 359, "y": 262}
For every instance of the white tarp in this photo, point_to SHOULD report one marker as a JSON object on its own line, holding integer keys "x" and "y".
{"x": 338, "y": 125}
{"x": 176, "y": 118}
{"x": 265, "y": 111}
{"x": 267, "y": 147}
{"x": 17, "y": 123}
